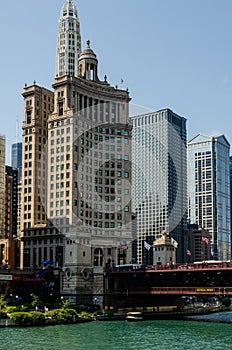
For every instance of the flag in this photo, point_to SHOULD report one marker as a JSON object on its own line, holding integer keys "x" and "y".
{"x": 188, "y": 252}
{"x": 122, "y": 81}
{"x": 147, "y": 245}
{"x": 174, "y": 243}
{"x": 205, "y": 239}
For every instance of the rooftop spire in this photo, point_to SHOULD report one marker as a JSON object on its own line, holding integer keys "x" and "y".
{"x": 69, "y": 41}
{"x": 69, "y": 9}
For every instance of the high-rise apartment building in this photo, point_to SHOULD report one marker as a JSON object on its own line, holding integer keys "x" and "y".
{"x": 159, "y": 180}
{"x": 2, "y": 184}
{"x": 9, "y": 243}
{"x": 209, "y": 190}
{"x": 11, "y": 200}
{"x": 38, "y": 104}
{"x": 76, "y": 195}
{"x": 231, "y": 199}
{"x": 16, "y": 157}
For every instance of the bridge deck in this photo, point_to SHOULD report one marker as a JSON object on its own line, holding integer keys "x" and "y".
{"x": 184, "y": 279}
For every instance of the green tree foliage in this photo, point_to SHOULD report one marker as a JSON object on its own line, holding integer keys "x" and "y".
{"x": 36, "y": 302}
{"x": 3, "y": 301}
{"x": 66, "y": 305}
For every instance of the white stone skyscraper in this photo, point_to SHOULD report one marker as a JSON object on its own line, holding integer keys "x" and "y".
{"x": 76, "y": 195}
{"x": 68, "y": 42}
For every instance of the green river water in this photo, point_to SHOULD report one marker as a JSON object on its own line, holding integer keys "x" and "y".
{"x": 123, "y": 335}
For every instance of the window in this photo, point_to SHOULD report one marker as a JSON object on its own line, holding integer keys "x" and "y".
{"x": 126, "y": 208}
{"x": 60, "y": 108}
{"x": 28, "y": 117}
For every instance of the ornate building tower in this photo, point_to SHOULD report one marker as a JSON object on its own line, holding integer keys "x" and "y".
{"x": 76, "y": 195}
{"x": 68, "y": 42}
{"x": 89, "y": 173}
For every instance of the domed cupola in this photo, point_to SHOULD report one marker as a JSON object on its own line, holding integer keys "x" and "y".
{"x": 87, "y": 63}
{"x": 69, "y": 10}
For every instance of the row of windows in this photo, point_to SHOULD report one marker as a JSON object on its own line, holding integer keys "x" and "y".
{"x": 60, "y": 158}
{"x": 59, "y": 140}
{"x": 59, "y": 176}
{"x": 60, "y": 167}
{"x": 28, "y": 217}
{"x": 60, "y": 149}
{"x": 60, "y": 185}
{"x": 58, "y": 124}
{"x": 105, "y": 224}
{"x": 150, "y": 119}
{"x": 59, "y": 212}
{"x": 100, "y": 155}
{"x": 44, "y": 241}
{"x": 60, "y": 194}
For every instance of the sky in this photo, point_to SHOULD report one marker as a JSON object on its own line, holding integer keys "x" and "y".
{"x": 173, "y": 54}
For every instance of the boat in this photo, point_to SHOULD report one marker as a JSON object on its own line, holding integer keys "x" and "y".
{"x": 134, "y": 316}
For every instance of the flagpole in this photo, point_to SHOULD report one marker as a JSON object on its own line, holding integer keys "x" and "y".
{"x": 143, "y": 259}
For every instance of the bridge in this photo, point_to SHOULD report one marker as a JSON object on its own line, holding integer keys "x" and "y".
{"x": 135, "y": 285}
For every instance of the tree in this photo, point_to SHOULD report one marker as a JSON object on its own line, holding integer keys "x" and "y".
{"x": 3, "y": 301}
{"x": 36, "y": 302}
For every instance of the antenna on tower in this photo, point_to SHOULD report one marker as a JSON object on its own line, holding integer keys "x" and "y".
{"x": 17, "y": 130}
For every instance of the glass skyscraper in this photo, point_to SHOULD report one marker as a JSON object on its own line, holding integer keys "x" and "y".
{"x": 209, "y": 190}
{"x": 159, "y": 180}
{"x": 16, "y": 157}
{"x": 231, "y": 198}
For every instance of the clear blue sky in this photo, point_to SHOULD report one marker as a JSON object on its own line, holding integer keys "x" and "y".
{"x": 170, "y": 53}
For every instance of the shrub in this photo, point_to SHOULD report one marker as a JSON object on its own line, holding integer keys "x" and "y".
{"x": 37, "y": 317}
{"x": 27, "y": 318}
{"x": 226, "y": 301}
{"x": 50, "y": 314}
{"x": 85, "y": 314}
{"x": 3, "y": 314}
{"x": 24, "y": 308}
{"x": 10, "y": 309}
{"x": 21, "y": 318}
{"x": 65, "y": 315}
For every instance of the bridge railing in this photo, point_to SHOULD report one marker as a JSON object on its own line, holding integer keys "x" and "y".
{"x": 196, "y": 266}
{"x": 220, "y": 291}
